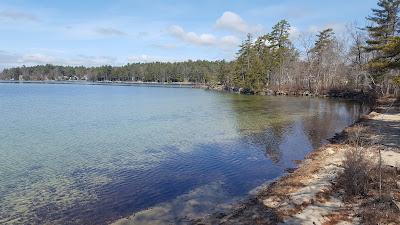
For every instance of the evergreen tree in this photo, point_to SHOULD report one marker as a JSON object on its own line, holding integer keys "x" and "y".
{"x": 281, "y": 50}
{"x": 264, "y": 53}
{"x": 244, "y": 60}
{"x": 383, "y": 40}
{"x": 279, "y": 36}
{"x": 325, "y": 40}
{"x": 325, "y": 57}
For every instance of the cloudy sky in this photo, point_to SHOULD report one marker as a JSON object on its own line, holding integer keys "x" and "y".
{"x": 88, "y": 32}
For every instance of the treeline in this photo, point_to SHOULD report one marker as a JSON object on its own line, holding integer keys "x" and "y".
{"x": 367, "y": 58}
{"x": 190, "y": 71}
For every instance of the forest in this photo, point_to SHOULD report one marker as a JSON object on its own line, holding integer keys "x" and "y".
{"x": 200, "y": 71}
{"x": 365, "y": 59}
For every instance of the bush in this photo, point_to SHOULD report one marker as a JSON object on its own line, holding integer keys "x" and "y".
{"x": 358, "y": 165}
{"x": 356, "y": 176}
{"x": 356, "y": 136}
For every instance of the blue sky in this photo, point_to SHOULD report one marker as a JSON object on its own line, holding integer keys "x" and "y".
{"x": 91, "y": 33}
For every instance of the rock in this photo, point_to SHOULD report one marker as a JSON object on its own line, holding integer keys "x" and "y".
{"x": 272, "y": 202}
{"x": 270, "y": 92}
{"x": 290, "y": 170}
{"x": 220, "y": 215}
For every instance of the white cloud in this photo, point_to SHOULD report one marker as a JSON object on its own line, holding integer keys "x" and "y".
{"x": 36, "y": 58}
{"x": 8, "y": 59}
{"x": 148, "y": 59}
{"x": 141, "y": 58}
{"x": 109, "y": 31}
{"x": 294, "y": 33}
{"x": 314, "y": 29}
{"x": 164, "y": 46}
{"x": 232, "y": 21}
{"x": 18, "y": 15}
{"x": 84, "y": 60}
{"x": 191, "y": 37}
{"x": 225, "y": 42}
{"x": 93, "y": 30}
{"x": 229, "y": 41}
{"x": 337, "y": 28}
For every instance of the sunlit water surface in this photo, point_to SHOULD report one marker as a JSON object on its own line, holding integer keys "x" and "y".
{"x": 85, "y": 154}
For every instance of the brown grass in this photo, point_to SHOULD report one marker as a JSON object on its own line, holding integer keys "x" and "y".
{"x": 388, "y": 211}
{"x": 337, "y": 217}
{"x": 323, "y": 196}
{"x": 379, "y": 211}
{"x": 356, "y": 176}
{"x": 360, "y": 181}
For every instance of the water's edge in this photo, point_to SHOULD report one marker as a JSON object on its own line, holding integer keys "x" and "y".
{"x": 241, "y": 142}
{"x": 229, "y": 209}
{"x": 271, "y": 206}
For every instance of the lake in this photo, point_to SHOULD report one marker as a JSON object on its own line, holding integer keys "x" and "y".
{"x": 91, "y": 154}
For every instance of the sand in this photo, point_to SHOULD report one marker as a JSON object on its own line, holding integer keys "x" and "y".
{"x": 309, "y": 195}
{"x": 305, "y": 196}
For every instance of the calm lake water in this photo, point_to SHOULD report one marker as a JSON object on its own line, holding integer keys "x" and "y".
{"x": 84, "y": 154}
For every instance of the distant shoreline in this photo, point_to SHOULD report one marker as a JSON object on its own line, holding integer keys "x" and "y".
{"x": 348, "y": 95}
{"x": 112, "y": 83}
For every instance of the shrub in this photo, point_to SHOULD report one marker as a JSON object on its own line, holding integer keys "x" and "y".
{"x": 356, "y": 175}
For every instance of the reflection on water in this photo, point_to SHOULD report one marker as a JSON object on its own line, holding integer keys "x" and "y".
{"x": 93, "y": 154}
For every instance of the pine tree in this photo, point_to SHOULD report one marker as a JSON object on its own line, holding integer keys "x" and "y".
{"x": 243, "y": 62}
{"x": 264, "y": 53}
{"x": 383, "y": 41}
{"x": 324, "y": 56}
{"x": 279, "y": 36}
{"x": 280, "y": 48}
{"x": 325, "y": 40}
{"x": 245, "y": 51}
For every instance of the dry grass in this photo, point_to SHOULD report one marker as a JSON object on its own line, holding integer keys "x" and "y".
{"x": 357, "y": 172}
{"x": 300, "y": 177}
{"x": 360, "y": 182}
{"x": 356, "y": 135}
{"x": 360, "y": 179}
{"x": 323, "y": 195}
{"x": 353, "y": 161}
{"x": 336, "y": 218}
{"x": 358, "y": 165}
{"x": 389, "y": 213}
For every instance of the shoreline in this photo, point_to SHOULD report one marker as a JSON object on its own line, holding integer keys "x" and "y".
{"x": 110, "y": 83}
{"x": 355, "y": 95}
{"x": 265, "y": 202}
{"x": 334, "y": 93}
{"x": 247, "y": 201}
{"x": 310, "y": 194}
